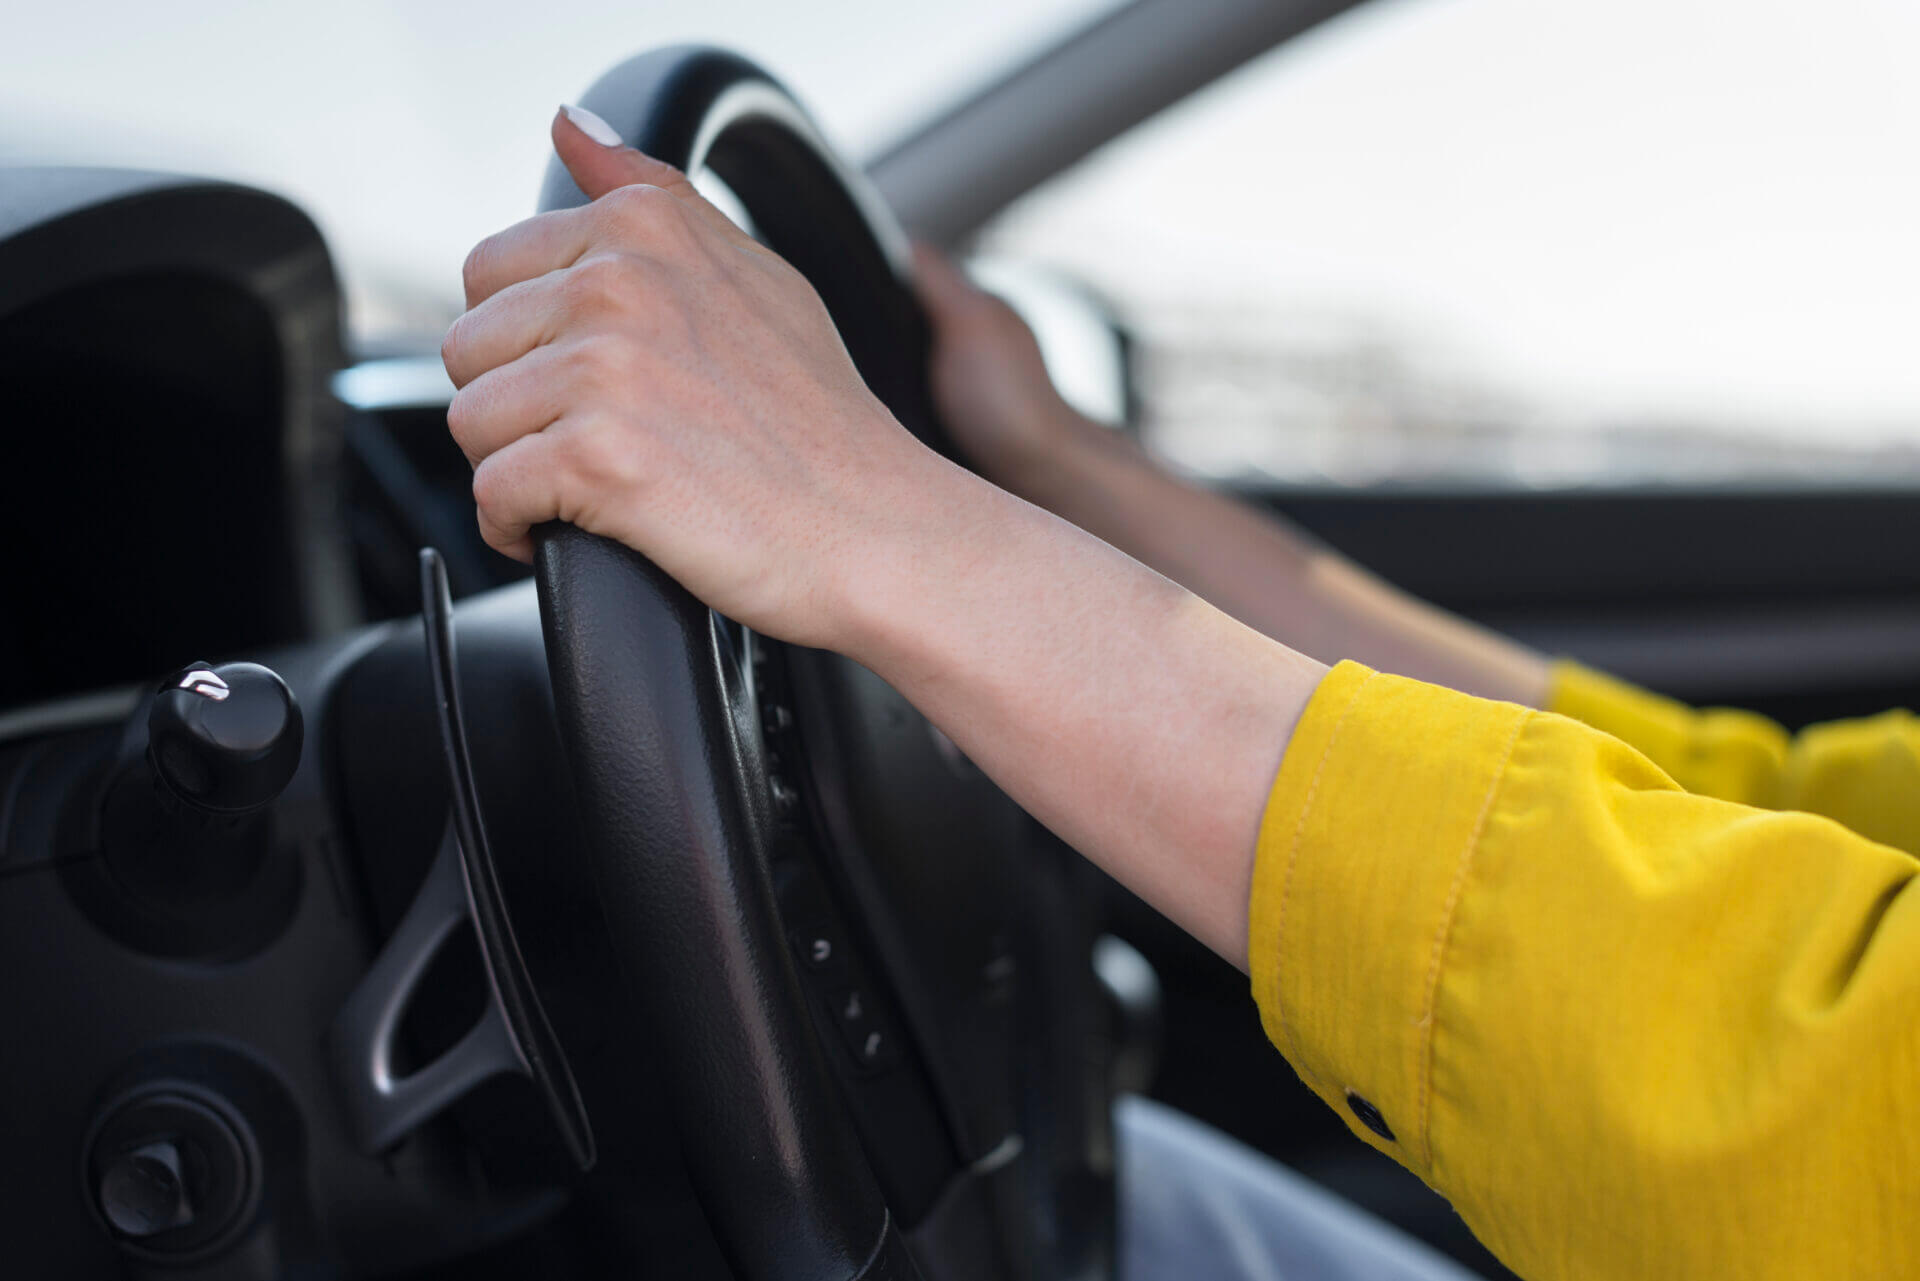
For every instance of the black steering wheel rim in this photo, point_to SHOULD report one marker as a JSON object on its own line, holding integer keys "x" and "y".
{"x": 668, "y": 786}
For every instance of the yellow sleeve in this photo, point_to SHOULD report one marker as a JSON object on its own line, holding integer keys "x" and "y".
{"x": 1862, "y": 773}
{"x": 1630, "y": 1032}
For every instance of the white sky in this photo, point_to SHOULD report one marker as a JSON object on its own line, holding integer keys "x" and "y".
{"x": 1682, "y": 205}
{"x": 1702, "y": 207}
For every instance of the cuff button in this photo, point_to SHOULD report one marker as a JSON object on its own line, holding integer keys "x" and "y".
{"x": 1369, "y": 1116}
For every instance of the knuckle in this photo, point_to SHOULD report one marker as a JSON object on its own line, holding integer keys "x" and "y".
{"x": 644, "y": 210}
{"x": 589, "y": 458}
{"x": 662, "y": 173}
{"x": 460, "y": 416}
{"x": 601, "y": 284}
{"x": 633, "y": 202}
{"x": 452, "y": 345}
{"x": 597, "y": 362}
{"x": 494, "y": 533}
{"x": 486, "y": 489}
{"x": 490, "y": 491}
{"x": 477, "y": 268}
{"x": 603, "y": 458}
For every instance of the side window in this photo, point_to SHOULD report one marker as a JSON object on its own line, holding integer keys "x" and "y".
{"x": 1536, "y": 242}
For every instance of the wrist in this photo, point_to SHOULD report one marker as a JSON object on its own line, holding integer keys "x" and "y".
{"x": 908, "y": 554}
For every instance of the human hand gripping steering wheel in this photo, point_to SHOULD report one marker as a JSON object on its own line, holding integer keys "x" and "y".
{"x": 639, "y": 368}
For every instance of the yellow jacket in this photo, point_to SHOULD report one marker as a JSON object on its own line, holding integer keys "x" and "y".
{"x": 1631, "y": 1025}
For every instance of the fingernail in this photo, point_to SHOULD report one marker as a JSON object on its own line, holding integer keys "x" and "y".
{"x": 593, "y": 126}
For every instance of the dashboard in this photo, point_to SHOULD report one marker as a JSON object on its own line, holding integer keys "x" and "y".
{"x": 172, "y": 450}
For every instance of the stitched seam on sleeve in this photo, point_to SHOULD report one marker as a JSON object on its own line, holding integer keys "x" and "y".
{"x": 1293, "y": 854}
{"x": 1423, "y": 1117}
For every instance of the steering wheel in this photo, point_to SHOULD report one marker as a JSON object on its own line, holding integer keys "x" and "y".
{"x": 679, "y": 802}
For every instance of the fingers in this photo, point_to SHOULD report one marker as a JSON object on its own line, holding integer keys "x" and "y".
{"x": 591, "y": 150}
{"x": 561, "y": 308}
{"x": 636, "y": 200}
{"x": 510, "y": 401}
{"x": 530, "y": 314}
{"x": 540, "y": 244}
{"x": 514, "y": 490}
{"x": 632, "y": 217}
{"x": 962, "y": 313}
{"x": 599, "y": 165}
{"x": 946, "y": 292}
{"x": 635, "y": 220}
{"x": 505, "y": 327}
{"x": 941, "y": 285}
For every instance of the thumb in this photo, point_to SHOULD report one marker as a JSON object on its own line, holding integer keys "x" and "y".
{"x": 594, "y": 154}
{"x": 943, "y": 288}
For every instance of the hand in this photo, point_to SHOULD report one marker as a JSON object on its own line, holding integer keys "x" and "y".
{"x": 641, "y": 368}
{"x": 645, "y": 370}
{"x": 991, "y": 385}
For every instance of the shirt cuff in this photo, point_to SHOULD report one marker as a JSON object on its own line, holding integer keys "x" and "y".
{"x": 1367, "y": 840}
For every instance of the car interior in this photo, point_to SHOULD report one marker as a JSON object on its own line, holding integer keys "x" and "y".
{"x": 372, "y": 905}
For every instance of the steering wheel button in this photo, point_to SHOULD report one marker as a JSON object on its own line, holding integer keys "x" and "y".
{"x": 785, "y": 798}
{"x": 819, "y": 950}
{"x": 873, "y": 1047}
{"x": 869, "y": 1040}
{"x": 853, "y": 1012}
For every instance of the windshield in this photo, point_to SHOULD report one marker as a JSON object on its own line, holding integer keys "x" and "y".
{"x": 1554, "y": 241}
{"x": 410, "y": 130}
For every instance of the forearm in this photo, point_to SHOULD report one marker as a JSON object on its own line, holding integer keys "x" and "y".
{"x": 1268, "y": 575}
{"x": 1140, "y": 724}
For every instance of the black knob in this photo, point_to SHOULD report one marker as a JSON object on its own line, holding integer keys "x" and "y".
{"x": 225, "y": 739}
{"x": 144, "y": 1191}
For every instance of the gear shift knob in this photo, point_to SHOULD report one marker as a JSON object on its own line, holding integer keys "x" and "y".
{"x": 225, "y": 740}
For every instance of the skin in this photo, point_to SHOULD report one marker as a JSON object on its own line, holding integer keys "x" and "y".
{"x": 999, "y": 403}
{"x": 643, "y": 369}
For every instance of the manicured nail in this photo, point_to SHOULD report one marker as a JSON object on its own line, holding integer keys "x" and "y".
{"x": 593, "y": 126}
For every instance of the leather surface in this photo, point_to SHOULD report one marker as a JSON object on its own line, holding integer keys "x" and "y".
{"x": 677, "y": 852}
{"x": 890, "y": 1261}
